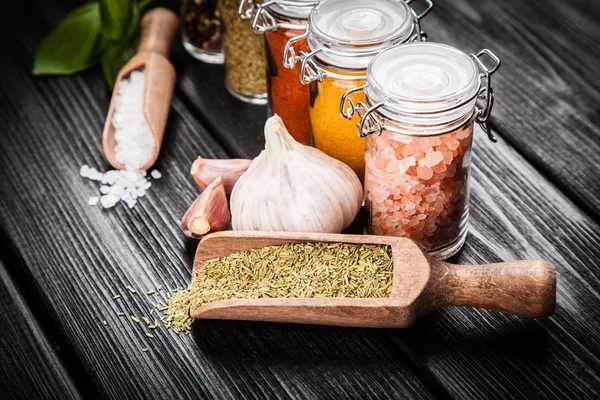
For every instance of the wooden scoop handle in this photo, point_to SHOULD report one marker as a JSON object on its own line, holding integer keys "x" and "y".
{"x": 159, "y": 27}
{"x": 524, "y": 288}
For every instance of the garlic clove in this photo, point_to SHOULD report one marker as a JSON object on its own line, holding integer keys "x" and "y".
{"x": 208, "y": 213}
{"x": 205, "y": 171}
{"x": 294, "y": 188}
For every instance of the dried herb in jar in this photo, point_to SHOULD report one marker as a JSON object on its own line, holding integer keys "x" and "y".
{"x": 245, "y": 58}
{"x": 201, "y": 24}
{"x": 300, "y": 270}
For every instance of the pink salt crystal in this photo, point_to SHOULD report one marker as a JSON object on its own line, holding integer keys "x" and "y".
{"x": 431, "y": 159}
{"x": 381, "y": 163}
{"x": 439, "y": 168}
{"x": 408, "y": 150}
{"x": 393, "y": 166}
{"x": 388, "y": 153}
{"x": 452, "y": 143}
{"x": 424, "y": 173}
{"x": 412, "y": 161}
{"x": 463, "y": 133}
{"x": 447, "y": 157}
{"x": 403, "y": 139}
{"x": 435, "y": 141}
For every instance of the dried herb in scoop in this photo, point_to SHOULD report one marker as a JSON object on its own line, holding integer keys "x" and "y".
{"x": 302, "y": 270}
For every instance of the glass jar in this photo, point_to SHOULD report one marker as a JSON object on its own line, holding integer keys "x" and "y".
{"x": 421, "y": 103}
{"x": 341, "y": 38}
{"x": 279, "y": 21}
{"x": 245, "y": 59}
{"x": 201, "y": 30}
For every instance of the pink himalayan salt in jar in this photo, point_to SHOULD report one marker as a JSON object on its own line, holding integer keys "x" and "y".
{"x": 421, "y": 103}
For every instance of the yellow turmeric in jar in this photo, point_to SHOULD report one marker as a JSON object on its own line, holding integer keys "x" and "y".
{"x": 332, "y": 133}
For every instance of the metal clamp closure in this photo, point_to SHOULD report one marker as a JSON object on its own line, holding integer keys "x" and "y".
{"x": 349, "y": 112}
{"x": 246, "y": 9}
{"x": 419, "y": 35}
{"x": 263, "y": 20}
{"x": 309, "y": 70}
{"x": 486, "y": 93}
{"x": 289, "y": 55}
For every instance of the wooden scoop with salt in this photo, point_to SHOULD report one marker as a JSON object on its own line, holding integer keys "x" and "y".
{"x": 158, "y": 29}
{"x": 420, "y": 284}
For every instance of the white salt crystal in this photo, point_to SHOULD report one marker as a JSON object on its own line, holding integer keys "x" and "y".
{"x": 104, "y": 189}
{"x": 93, "y": 201}
{"x": 134, "y": 139}
{"x": 131, "y": 203}
{"x": 109, "y": 200}
{"x": 155, "y": 174}
{"x": 84, "y": 170}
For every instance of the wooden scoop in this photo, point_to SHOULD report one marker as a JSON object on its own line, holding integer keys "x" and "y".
{"x": 420, "y": 284}
{"x": 159, "y": 27}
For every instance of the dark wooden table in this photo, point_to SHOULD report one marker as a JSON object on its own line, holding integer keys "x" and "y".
{"x": 535, "y": 194}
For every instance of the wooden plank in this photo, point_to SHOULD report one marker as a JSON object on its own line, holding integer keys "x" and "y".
{"x": 30, "y": 366}
{"x": 547, "y": 89}
{"x": 79, "y": 257}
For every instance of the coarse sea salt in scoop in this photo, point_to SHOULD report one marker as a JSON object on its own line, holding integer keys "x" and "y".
{"x": 134, "y": 146}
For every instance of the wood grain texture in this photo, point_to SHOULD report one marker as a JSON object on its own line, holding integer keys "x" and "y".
{"x": 29, "y": 367}
{"x": 548, "y": 88}
{"x": 83, "y": 256}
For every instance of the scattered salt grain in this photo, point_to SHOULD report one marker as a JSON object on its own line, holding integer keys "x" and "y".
{"x": 109, "y": 200}
{"x": 134, "y": 147}
{"x": 84, "y": 170}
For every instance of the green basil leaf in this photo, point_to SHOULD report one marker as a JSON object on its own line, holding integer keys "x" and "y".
{"x": 117, "y": 54}
{"x": 69, "y": 48}
{"x": 114, "y": 15}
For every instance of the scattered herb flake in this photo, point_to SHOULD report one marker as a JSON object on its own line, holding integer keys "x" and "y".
{"x": 131, "y": 289}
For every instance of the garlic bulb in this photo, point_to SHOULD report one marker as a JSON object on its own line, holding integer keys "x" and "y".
{"x": 294, "y": 188}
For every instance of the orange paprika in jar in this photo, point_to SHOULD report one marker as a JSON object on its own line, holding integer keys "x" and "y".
{"x": 341, "y": 38}
{"x": 280, "y": 21}
{"x": 418, "y": 116}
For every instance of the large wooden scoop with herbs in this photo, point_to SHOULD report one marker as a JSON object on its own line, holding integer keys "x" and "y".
{"x": 158, "y": 29}
{"x": 420, "y": 284}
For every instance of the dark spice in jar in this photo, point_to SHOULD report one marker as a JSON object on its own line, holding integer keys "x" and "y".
{"x": 201, "y": 24}
{"x": 245, "y": 58}
{"x": 288, "y": 97}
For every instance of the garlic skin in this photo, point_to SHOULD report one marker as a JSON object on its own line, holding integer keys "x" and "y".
{"x": 208, "y": 213}
{"x": 205, "y": 171}
{"x": 291, "y": 187}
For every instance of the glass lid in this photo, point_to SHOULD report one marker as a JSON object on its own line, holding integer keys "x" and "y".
{"x": 424, "y": 78}
{"x": 353, "y": 31}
